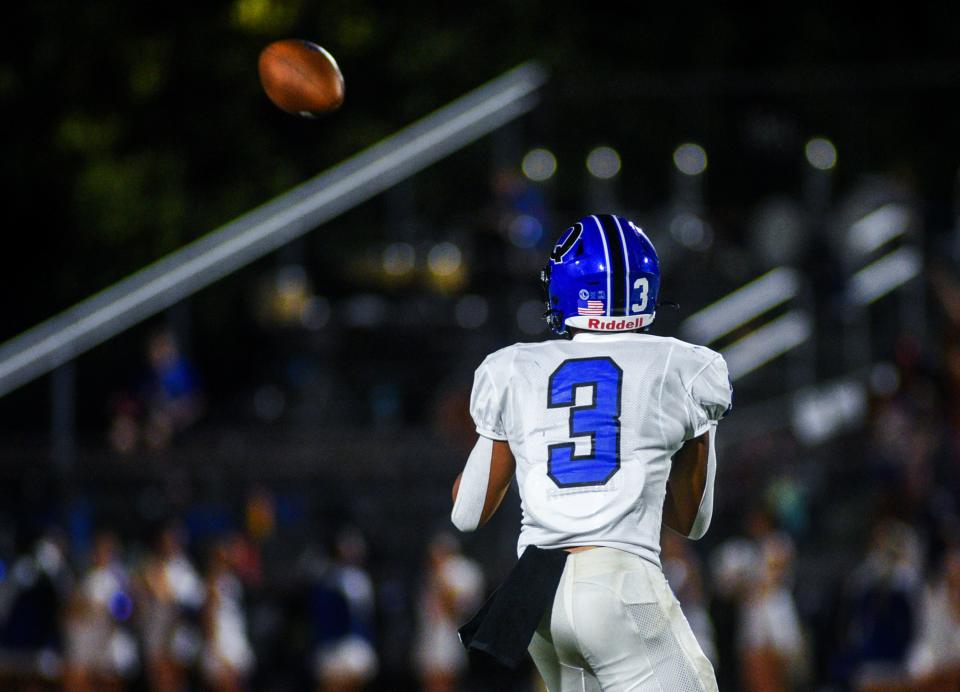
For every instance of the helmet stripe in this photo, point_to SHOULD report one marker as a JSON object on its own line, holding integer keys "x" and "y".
{"x": 614, "y": 241}
{"x": 626, "y": 264}
{"x": 607, "y": 263}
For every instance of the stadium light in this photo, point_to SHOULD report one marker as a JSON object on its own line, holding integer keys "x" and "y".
{"x": 886, "y": 274}
{"x": 690, "y": 159}
{"x": 819, "y": 413}
{"x": 525, "y": 231}
{"x": 743, "y": 305}
{"x": 444, "y": 259}
{"x": 603, "y": 163}
{"x": 399, "y": 258}
{"x": 879, "y": 227}
{"x": 539, "y": 165}
{"x": 821, "y": 153}
{"x": 768, "y": 342}
{"x": 691, "y": 231}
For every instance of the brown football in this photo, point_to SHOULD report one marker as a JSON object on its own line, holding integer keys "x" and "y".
{"x": 300, "y": 77}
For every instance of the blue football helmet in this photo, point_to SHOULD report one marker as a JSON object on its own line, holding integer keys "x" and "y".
{"x": 603, "y": 275}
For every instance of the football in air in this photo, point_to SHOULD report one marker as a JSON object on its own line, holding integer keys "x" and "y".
{"x": 300, "y": 77}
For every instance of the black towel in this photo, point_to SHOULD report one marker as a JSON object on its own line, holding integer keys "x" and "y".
{"x": 504, "y": 625}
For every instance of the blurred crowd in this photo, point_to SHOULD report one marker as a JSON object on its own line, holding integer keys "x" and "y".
{"x": 892, "y": 624}
{"x": 119, "y": 619}
{"x": 168, "y": 616}
{"x": 157, "y": 619}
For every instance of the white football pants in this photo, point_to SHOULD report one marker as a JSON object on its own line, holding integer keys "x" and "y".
{"x": 616, "y": 626}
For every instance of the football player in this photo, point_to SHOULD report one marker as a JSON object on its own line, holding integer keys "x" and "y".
{"x": 611, "y": 433}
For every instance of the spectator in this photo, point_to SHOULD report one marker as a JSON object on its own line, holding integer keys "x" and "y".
{"x": 245, "y": 560}
{"x": 100, "y": 652}
{"x": 169, "y": 399}
{"x": 171, "y": 597}
{"x": 31, "y": 601}
{"x": 343, "y": 608}
{"x": 124, "y": 432}
{"x": 882, "y": 597}
{"x": 172, "y": 392}
{"x": 453, "y": 588}
{"x": 228, "y": 658}
{"x": 771, "y": 639}
{"x": 935, "y": 654}
{"x": 734, "y": 567}
{"x": 684, "y": 574}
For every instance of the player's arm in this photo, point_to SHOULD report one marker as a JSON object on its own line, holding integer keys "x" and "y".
{"x": 480, "y": 487}
{"x": 688, "y": 505}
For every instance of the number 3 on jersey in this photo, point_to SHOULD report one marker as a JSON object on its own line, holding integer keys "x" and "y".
{"x": 598, "y": 420}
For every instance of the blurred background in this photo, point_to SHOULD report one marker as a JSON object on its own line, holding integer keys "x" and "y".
{"x": 245, "y": 485}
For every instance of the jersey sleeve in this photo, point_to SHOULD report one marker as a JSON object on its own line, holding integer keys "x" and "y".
{"x": 711, "y": 396}
{"x": 486, "y": 403}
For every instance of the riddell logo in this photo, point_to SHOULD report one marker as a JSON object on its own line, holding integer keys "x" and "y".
{"x": 614, "y": 325}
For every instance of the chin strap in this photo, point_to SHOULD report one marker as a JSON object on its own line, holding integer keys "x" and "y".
{"x": 552, "y": 316}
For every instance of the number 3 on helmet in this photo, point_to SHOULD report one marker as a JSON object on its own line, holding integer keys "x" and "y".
{"x": 603, "y": 275}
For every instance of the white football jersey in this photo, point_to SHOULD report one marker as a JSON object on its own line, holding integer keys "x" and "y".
{"x": 593, "y": 423}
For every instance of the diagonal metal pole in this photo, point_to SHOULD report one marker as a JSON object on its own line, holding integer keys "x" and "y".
{"x": 249, "y": 237}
